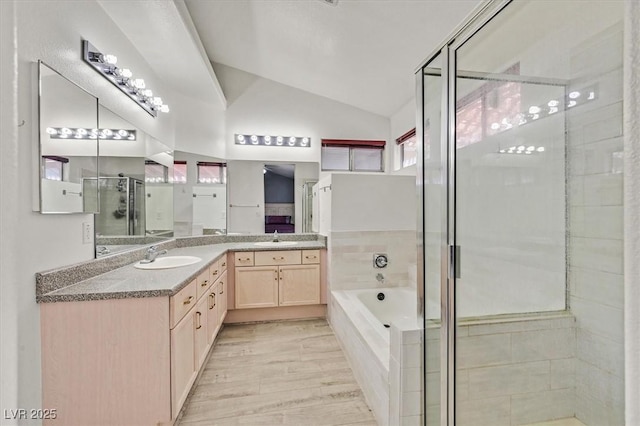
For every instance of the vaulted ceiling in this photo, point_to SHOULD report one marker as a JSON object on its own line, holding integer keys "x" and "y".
{"x": 359, "y": 52}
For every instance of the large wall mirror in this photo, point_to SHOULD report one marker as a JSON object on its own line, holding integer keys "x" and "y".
{"x": 69, "y": 133}
{"x": 270, "y": 196}
{"x": 136, "y": 194}
{"x": 200, "y": 194}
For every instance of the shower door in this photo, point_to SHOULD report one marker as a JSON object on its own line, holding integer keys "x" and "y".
{"x": 528, "y": 214}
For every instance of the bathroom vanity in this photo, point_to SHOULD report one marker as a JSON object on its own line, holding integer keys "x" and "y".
{"x": 126, "y": 346}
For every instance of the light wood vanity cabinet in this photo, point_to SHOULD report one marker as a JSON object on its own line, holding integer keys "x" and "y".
{"x": 279, "y": 278}
{"x": 131, "y": 360}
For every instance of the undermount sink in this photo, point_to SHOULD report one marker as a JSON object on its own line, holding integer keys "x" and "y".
{"x": 276, "y": 244}
{"x": 168, "y": 262}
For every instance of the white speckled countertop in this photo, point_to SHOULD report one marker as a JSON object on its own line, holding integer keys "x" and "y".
{"x": 130, "y": 282}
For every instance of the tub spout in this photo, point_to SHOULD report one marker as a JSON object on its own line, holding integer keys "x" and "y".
{"x": 380, "y": 278}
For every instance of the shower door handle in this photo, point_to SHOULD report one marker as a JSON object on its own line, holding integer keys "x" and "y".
{"x": 454, "y": 261}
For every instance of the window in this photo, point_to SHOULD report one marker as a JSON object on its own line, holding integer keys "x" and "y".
{"x": 54, "y": 167}
{"x": 352, "y": 155}
{"x": 155, "y": 172}
{"x": 179, "y": 172}
{"x": 212, "y": 172}
{"x": 408, "y": 147}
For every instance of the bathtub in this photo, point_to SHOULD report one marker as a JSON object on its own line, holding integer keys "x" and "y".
{"x": 362, "y": 322}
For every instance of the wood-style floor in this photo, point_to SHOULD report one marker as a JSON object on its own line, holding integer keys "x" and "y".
{"x": 278, "y": 373}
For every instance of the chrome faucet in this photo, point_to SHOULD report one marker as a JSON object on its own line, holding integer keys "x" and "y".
{"x": 275, "y": 236}
{"x": 152, "y": 253}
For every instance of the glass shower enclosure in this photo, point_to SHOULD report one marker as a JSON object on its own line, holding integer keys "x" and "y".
{"x": 122, "y": 207}
{"x": 521, "y": 179}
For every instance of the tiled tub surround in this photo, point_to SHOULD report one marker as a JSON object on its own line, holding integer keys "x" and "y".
{"x": 513, "y": 370}
{"x": 351, "y": 259}
{"x": 115, "y": 277}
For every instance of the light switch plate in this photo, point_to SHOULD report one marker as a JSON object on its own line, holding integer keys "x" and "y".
{"x": 87, "y": 232}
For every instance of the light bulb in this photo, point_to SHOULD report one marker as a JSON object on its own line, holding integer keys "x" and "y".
{"x": 279, "y": 140}
{"x": 107, "y": 132}
{"x": 571, "y": 103}
{"x": 254, "y": 139}
{"x": 164, "y": 108}
{"x": 553, "y": 110}
{"x": 531, "y": 148}
{"x": 157, "y": 101}
{"x": 148, "y": 93}
{"x": 64, "y": 135}
{"x": 305, "y": 141}
{"x": 65, "y": 131}
{"x": 535, "y": 116}
{"x": 77, "y": 135}
{"x": 138, "y": 83}
{"x": 123, "y": 132}
{"x": 495, "y": 126}
{"x": 126, "y": 73}
{"x": 110, "y": 59}
{"x": 521, "y": 148}
{"x": 52, "y": 131}
{"x": 528, "y": 152}
{"x": 534, "y": 109}
{"x": 267, "y": 140}
{"x": 117, "y": 136}
{"x": 574, "y": 95}
{"x": 592, "y": 95}
{"x": 553, "y": 103}
{"x": 240, "y": 138}
{"x": 540, "y": 149}
{"x": 131, "y": 137}
{"x": 502, "y": 151}
{"x": 292, "y": 139}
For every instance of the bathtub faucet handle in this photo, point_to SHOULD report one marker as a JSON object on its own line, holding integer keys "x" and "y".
{"x": 380, "y": 278}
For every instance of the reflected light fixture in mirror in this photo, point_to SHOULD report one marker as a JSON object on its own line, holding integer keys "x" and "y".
{"x": 82, "y": 133}
{"x": 122, "y": 78}
{"x": 293, "y": 141}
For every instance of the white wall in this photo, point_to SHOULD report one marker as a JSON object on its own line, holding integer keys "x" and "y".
{"x": 31, "y": 242}
{"x": 245, "y": 186}
{"x": 372, "y": 202}
{"x": 264, "y": 107}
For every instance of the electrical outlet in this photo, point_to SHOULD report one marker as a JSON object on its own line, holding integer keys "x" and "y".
{"x": 87, "y": 232}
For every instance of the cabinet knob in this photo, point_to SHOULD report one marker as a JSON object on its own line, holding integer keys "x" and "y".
{"x": 188, "y": 300}
{"x": 280, "y": 258}
{"x": 204, "y": 283}
{"x": 224, "y": 263}
{"x": 215, "y": 272}
{"x": 310, "y": 257}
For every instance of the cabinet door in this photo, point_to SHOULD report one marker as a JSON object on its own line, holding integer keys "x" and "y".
{"x": 222, "y": 298}
{"x": 183, "y": 366}
{"x": 201, "y": 338}
{"x": 299, "y": 285}
{"x": 212, "y": 313}
{"x": 256, "y": 287}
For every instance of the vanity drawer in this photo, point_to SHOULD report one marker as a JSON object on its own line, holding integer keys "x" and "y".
{"x": 310, "y": 256}
{"x": 182, "y": 302}
{"x": 214, "y": 270}
{"x": 203, "y": 282}
{"x": 286, "y": 257}
{"x": 222, "y": 263}
{"x": 244, "y": 258}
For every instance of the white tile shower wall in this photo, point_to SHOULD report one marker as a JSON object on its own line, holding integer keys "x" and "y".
{"x": 351, "y": 257}
{"x": 596, "y": 230}
{"x": 511, "y": 372}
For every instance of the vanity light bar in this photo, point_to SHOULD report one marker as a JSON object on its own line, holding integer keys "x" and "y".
{"x": 123, "y": 79}
{"x": 293, "y": 141}
{"x": 86, "y": 134}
